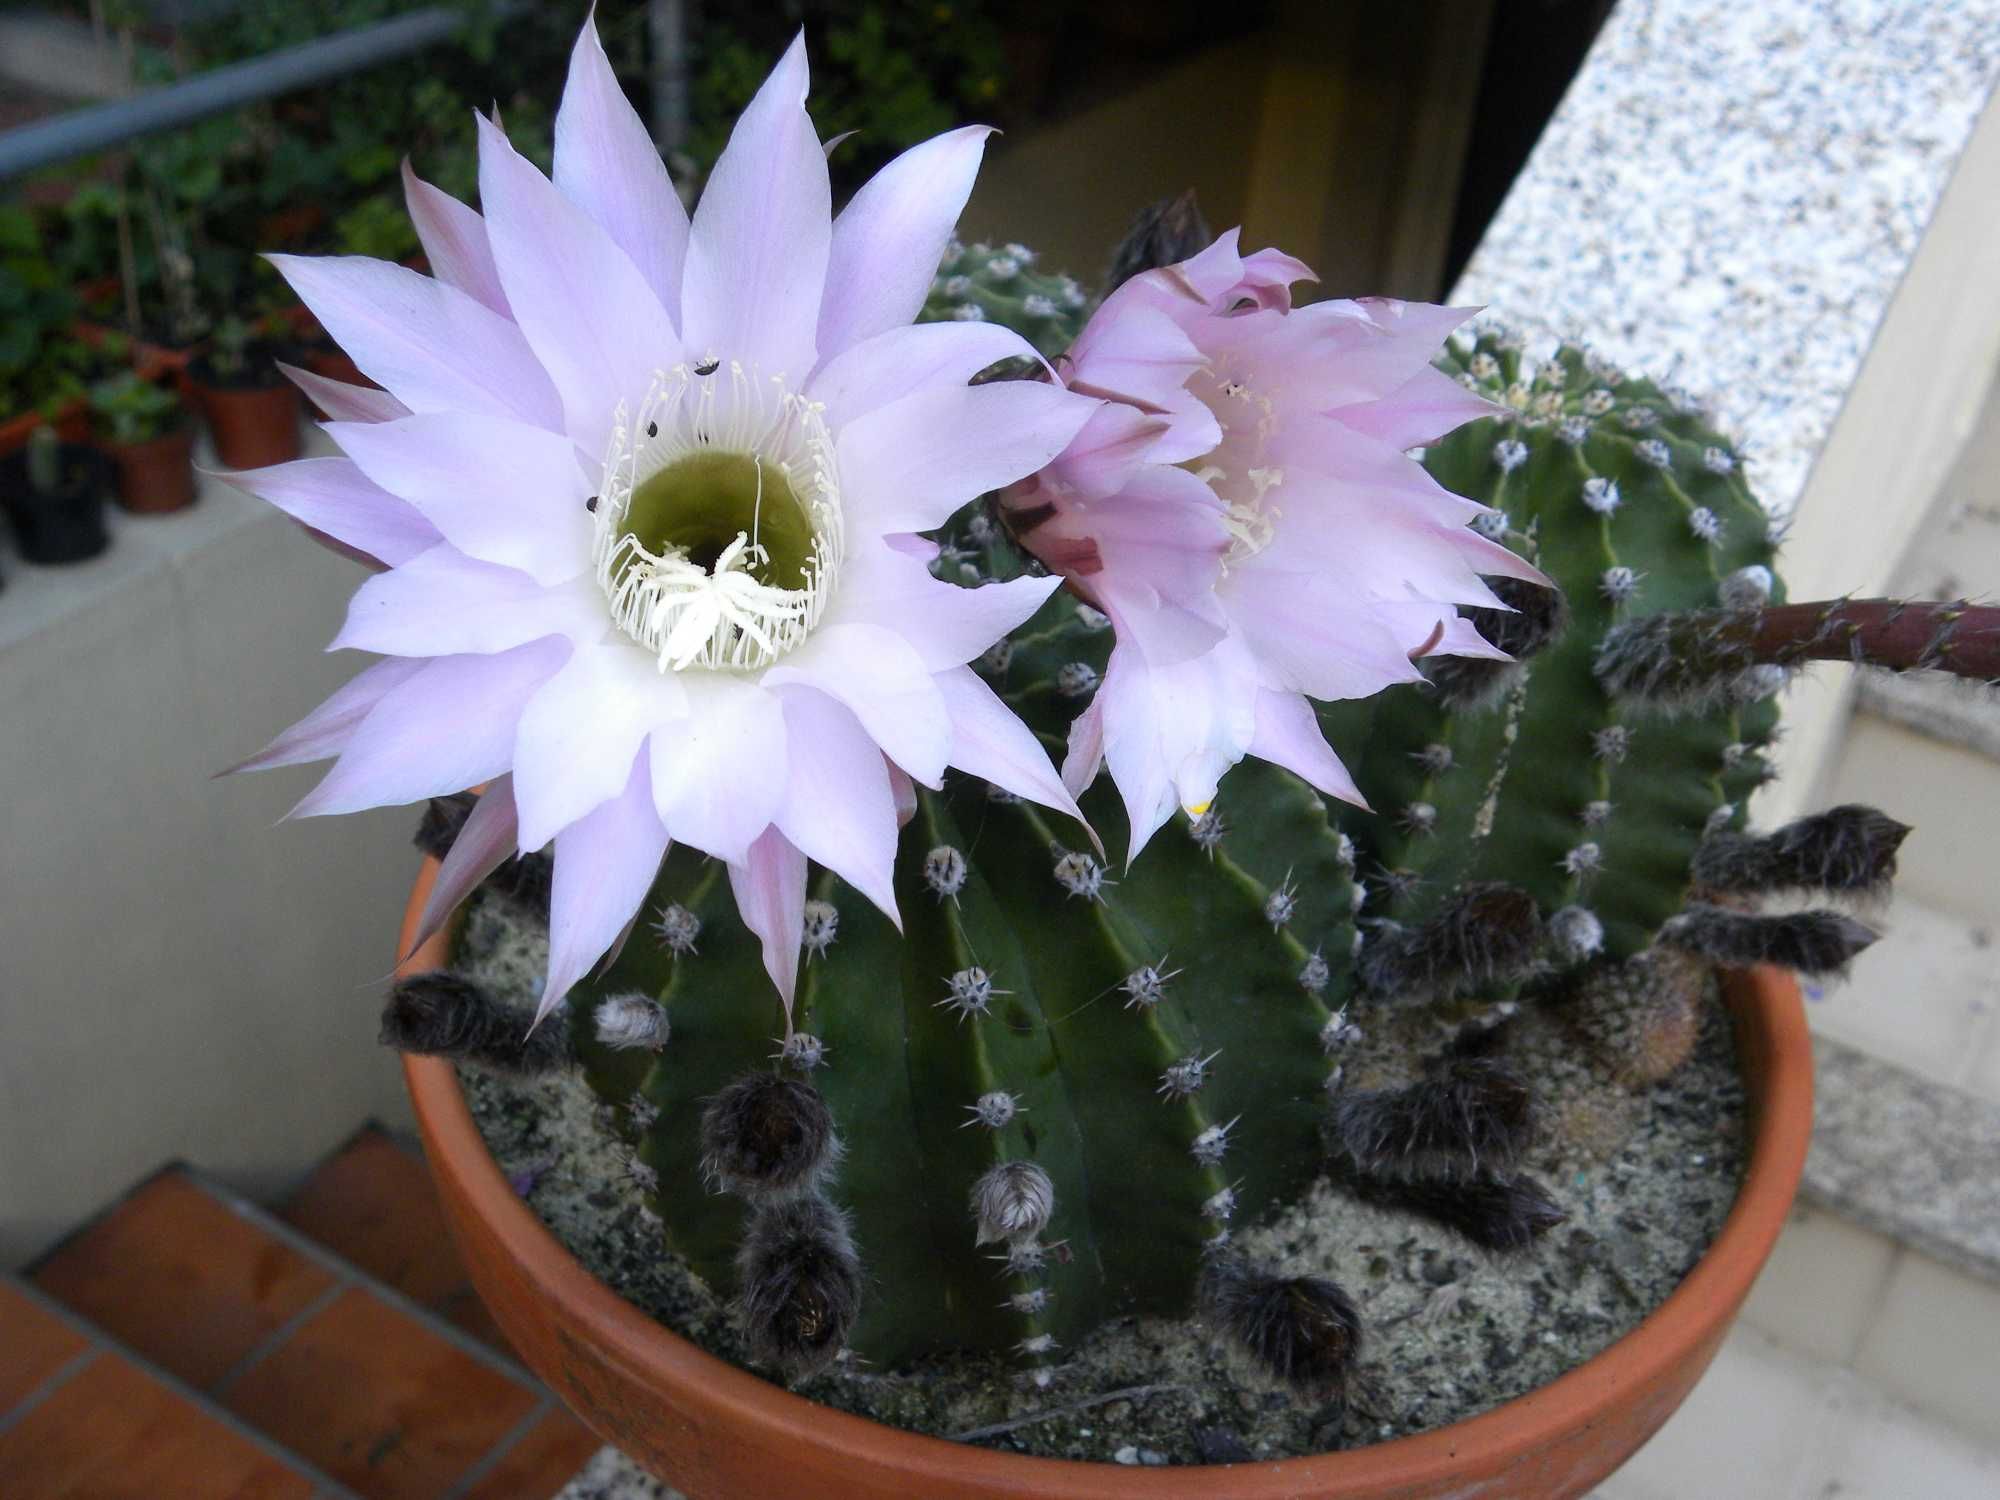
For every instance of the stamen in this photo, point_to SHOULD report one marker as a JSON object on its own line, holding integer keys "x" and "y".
{"x": 721, "y": 617}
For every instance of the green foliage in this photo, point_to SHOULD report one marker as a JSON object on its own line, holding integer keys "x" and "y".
{"x": 126, "y": 408}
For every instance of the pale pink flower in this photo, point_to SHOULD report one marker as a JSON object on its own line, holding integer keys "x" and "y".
{"x": 644, "y": 492}
{"x": 1245, "y": 510}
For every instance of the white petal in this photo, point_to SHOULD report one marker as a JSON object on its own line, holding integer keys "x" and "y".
{"x": 444, "y": 603}
{"x": 889, "y": 238}
{"x": 892, "y": 365}
{"x": 607, "y": 165}
{"x": 497, "y": 490}
{"x": 604, "y": 866}
{"x": 591, "y": 318}
{"x": 881, "y": 677}
{"x": 770, "y": 887}
{"x": 432, "y": 346}
{"x": 454, "y": 239}
{"x": 757, "y": 252}
{"x": 579, "y": 733}
{"x": 333, "y": 496}
{"x": 1288, "y": 735}
{"x": 839, "y": 808}
{"x": 909, "y": 465}
{"x": 343, "y": 402}
{"x": 990, "y": 742}
{"x": 719, "y": 774}
{"x": 326, "y": 730}
{"x": 483, "y": 844}
{"x": 947, "y": 624}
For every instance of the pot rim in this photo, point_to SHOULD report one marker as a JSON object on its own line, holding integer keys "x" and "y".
{"x": 1770, "y": 1027}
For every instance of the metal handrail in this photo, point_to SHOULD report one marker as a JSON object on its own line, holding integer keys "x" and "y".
{"x": 79, "y": 132}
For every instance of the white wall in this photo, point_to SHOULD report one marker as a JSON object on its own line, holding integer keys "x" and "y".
{"x": 178, "y": 977}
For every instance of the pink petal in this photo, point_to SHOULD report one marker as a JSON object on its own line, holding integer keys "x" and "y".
{"x": 770, "y": 887}
{"x": 891, "y": 365}
{"x": 454, "y": 240}
{"x": 1288, "y": 735}
{"x": 989, "y": 741}
{"x": 757, "y": 251}
{"x": 909, "y": 465}
{"x": 1420, "y": 411}
{"x": 333, "y": 496}
{"x": 604, "y": 866}
{"x": 1310, "y": 640}
{"x": 482, "y": 846}
{"x": 1135, "y": 353}
{"x": 839, "y": 807}
{"x": 590, "y": 317}
{"x": 879, "y": 675}
{"x": 327, "y": 729}
{"x": 579, "y": 733}
{"x": 905, "y": 792}
{"x": 719, "y": 775}
{"x": 343, "y": 402}
{"x": 431, "y": 345}
{"x": 496, "y": 490}
{"x": 606, "y": 164}
{"x": 443, "y": 603}
{"x": 1105, "y": 454}
{"x": 449, "y": 726}
{"x": 947, "y": 624}
{"x": 889, "y": 238}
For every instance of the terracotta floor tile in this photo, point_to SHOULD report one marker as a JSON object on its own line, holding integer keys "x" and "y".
{"x": 173, "y": 1275}
{"x": 549, "y": 1455}
{"x": 372, "y": 1203}
{"x": 33, "y": 1345}
{"x": 379, "y": 1401}
{"x": 112, "y": 1432}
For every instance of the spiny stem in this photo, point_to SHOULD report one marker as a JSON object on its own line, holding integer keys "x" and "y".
{"x": 1672, "y": 656}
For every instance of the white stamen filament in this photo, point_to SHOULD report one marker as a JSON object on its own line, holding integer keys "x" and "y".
{"x": 723, "y": 618}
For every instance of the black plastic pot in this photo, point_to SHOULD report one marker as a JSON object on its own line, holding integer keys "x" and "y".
{"x": 67, "y": 526}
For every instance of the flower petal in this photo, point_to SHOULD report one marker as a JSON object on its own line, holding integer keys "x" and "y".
{"x": 907, "y": 466}
{"x": 343, "y": 402}
{"x": 579, "y": 733}
{"x": 443, "y": 603}
{"x": 431, "y": 345}
{"x": 326, "y": 730}
{"x": 947, "y": 624}
{"x": 719, "y": 774}
{"x": 989, "y": 741}
{"x": 333, "y": 496}
{"x": 770, "y": 887}
{"x": 839, "y": 808}
{"x": 448, "y": 726}
{"x": 889, "y": 238}
{"x": 879, "y": 675}
{"x": 891, "y": 365}
{"x": 484, "y": 843}
{"x": 454, "y": 239}
{"x": 1288, "y": 735}
{"x": 606, "y": 164}
{"x": 496, "y": 490}
{"x": 757, "y": 251}
{"x": 592, "y": 320}
{"x": 604, "y": 865}
{"x": 1418, "y": 412}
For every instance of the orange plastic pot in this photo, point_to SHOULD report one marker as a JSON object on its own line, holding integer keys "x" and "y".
{"x": 719, "y": 1433}
{"x": 252, "y": 425}
{"x": 156, "y": 476}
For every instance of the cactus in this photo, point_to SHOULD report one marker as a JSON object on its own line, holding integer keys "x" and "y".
{"x": 44, "y": 460}
{"x": 1044, "y": 1101}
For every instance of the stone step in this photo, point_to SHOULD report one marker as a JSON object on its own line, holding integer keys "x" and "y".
{"x": 81, "y": 1419}
{"x": 363, "y": 1382}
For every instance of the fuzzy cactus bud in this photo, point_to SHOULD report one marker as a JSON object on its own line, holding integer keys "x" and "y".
{"x": 1472, "y": 1114}
{"x": 1850, "y": 849}
{"x": 1485, "y": 933}
{"x": 1497, "y": 1211}
{"x": 1164, "y": 234}
{"x": 1012, "y": 1201}
{"x": 443, "y": 821}
{"x": 800, "y": 1284}
{"x": 765, "y": 1135}
{"x": 1534, "y": 618}
{"x": 631, "y": 1021}
{"x": 1812, "y": 942}
{"x": 446, "y": 1015}
{"x": 1304, "y": 1330}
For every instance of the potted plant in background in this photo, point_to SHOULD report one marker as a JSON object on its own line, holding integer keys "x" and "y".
{"x": 144, "y": 429}
{"x": 912, "y": 1051}
{"x": 54, "y": 492}
{"x": 252, "y": 410}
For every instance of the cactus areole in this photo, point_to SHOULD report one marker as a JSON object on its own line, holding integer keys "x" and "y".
{"x": 764, "y": 593}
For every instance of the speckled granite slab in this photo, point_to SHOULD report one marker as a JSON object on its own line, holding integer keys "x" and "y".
{"x": 1730, "y": 193}
{"x": 1906, "y": 1157}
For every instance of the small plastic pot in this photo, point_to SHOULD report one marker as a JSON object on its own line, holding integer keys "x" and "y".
{"x": 253, "y": 418}
{"x": 65, "y": 527}
{"x": 155, "y": 476}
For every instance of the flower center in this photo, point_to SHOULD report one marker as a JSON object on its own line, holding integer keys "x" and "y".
{"x": 1233, "y": 468}
{"x": 718, "y": 525}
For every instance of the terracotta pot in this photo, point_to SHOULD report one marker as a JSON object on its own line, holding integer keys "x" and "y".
{"x": 252, "y": 425}
{"x": 155, "y": 476}
{"x": 719, "y": 1433}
